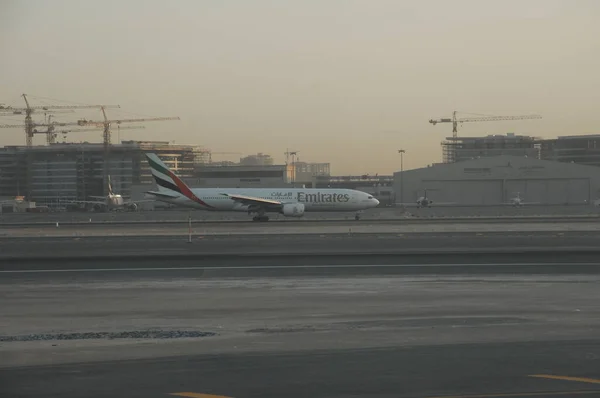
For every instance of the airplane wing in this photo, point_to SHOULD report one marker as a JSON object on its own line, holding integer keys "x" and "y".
{"x": 433, "y": 204}
{"x": 91, "y": 202}
{"x": 520, "y": 203}
{"x": 129, "y": 202}
{"x": 251, "y": 200}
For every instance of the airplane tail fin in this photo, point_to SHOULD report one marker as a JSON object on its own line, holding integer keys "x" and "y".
{"x": 165, "y": 179}
{"x": 110, "y": 191}
{"x": 168, "y": 183}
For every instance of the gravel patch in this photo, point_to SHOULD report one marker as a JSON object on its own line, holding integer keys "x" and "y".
{"x": 136, "y": 334}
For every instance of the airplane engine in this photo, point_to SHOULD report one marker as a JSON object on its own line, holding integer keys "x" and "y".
{"x": 293, "y": 210}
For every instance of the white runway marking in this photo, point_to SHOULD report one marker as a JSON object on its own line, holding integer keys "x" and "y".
{"x": 262, "y": 267}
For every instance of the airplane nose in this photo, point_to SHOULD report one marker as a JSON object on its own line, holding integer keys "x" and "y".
{"x": 375, "y": 202}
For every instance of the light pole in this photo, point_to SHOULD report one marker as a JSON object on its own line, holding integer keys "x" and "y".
{"x": 401, "y": 152}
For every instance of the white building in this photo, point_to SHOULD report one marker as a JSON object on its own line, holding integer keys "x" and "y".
{"x": 494, "y": 180}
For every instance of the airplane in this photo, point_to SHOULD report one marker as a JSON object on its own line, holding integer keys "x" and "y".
{"x": 112, "y": 201}
{"x": 518, "y": 201}
{"x": 291, "y": 202}
{"x": 423, "y": 201}
{"x": 17, "y": 199}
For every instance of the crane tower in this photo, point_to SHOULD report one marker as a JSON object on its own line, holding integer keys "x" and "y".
{"x": 481, "y": 118}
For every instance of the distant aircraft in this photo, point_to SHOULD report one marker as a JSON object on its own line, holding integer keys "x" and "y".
{"x": 424, "y": 201}
{"x": 17, "y": 199}
{"x": 291, "y": 202}
{"x": 518, "y": 201}
{"x": 112, "y": 202}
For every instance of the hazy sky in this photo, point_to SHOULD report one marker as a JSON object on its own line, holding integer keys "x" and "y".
{"x": 347, "y": 82}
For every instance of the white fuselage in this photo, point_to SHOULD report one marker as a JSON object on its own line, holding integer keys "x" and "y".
{"x": 111, "y": 202}
{"x": 324, "y": 200}
{"x": 516, "y": 202}
{"x": 114, "y": 200}
{"x": 424, "y": 202}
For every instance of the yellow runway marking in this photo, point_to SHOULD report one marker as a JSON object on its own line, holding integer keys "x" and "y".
{"x": 522, "y": 394}
{"x": 568, "y": 378}
{"x": 196, "y": 395}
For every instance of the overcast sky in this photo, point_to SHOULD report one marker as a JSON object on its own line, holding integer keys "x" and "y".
{"x": 348, "y": 82}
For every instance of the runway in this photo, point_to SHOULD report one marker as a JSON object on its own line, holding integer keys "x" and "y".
{"x": 365, "y": 315}
{"x": 304, "y": 336}
{"x": 282, "y": 222}
{"x": 471, "y": 370}
{"x": 284, "y": 228}
{"x": 206, "y": 248}
{"x": 381, "y": 213}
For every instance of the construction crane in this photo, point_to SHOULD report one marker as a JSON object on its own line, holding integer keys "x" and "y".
{"x": 51, "y": 136}
{"x": 5, "y": 111}
{"x": 32, "y": 130}
{"x": 29, "y": 110}
{"x": 482, "y": 118}
{"x": 51, "y": 132}
{"x": 455, "y": 121}
{"x": 106, "y": 124}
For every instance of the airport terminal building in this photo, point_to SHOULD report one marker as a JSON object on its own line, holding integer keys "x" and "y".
{"x": 241, "y": 176}
{"x": 56, "y": 174}
{"x": 494, "y": 180}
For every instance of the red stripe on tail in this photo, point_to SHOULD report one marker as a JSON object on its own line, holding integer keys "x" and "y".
{"x": 186, "y": 191}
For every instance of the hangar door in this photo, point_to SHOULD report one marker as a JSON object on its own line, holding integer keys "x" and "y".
{"x": 550, "y": 190}
{"x": 465, "y": 192}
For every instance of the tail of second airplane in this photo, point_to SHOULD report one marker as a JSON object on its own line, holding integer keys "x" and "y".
{"x": 110, "y": 191}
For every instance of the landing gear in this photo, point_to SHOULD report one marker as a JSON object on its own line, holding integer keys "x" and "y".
{"x": 357, "y": 216}
{"x": 260, "y": 215}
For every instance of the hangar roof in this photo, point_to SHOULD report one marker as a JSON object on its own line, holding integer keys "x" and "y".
{"x": 506, "y": 166}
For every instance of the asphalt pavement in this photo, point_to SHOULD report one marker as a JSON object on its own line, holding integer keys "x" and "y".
{"x": 365, "y": 315}
{"x": 371, "y": 214}
{"x": 524, "y": 369}
{"x": 289, "y": 228}
{"x": 170, "y": 247}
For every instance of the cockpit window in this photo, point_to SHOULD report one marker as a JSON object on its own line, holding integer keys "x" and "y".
{"x": 370, "y": 197}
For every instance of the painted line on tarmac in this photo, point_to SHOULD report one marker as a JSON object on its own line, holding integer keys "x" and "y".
{"x": 524, "y": 394}
{"x": 567, "y": 378}
{"x": 197, "y": 395}
{"x": 307, "y": 266}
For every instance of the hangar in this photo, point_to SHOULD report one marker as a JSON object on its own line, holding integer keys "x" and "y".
{"x": 494, "y": 180}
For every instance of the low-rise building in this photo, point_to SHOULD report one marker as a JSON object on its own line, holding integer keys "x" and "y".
{"x": 494, "y": 180}
{"x": 241, "y": 176}
{"x": 56, "y": 174}
{"x": 580, "y": 149}
{"x": 458, "y": 149}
